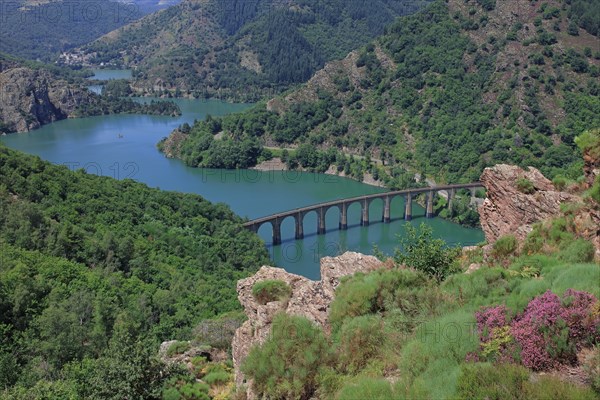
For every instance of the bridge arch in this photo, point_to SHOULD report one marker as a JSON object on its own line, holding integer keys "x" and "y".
{"x": 344, "y": 206}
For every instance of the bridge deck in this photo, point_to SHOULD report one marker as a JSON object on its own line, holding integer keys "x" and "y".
{"x": 334, "y": 203}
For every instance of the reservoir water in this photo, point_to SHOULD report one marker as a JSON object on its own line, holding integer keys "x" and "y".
{"x": 124, "y": 146}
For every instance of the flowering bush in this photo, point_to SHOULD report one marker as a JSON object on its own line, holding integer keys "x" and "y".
{"x": 549, "y": 332}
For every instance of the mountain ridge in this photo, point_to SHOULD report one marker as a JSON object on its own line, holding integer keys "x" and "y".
{"x": 206, "y": 48}
{"x": 444, "y": 92}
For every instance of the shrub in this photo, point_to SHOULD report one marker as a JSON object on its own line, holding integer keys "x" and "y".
{"x": 178, "y": 348}
{"x": 504, "y": 247}
{"x": 525, "y": 186}
{"x": 217, "y": 378}
{"x": 488, "y": 381}
{"x": 286, "y": 365}
{"x": 589, "y": 141}
{"x": 592, "y": 368}
{"x": 578, "y": 251}
{"x": 423, "y": 253}
{"x": 560, "y": 182}
{"x": 497, "y": 343}
{"x": 360, "y": 340}
{"x": 270, "y": 290}
{"x": 369, "y": 293}
{"x": 366, "y": 388}
{"x": 509, "y": 381}
{"x": 548, "y": 332}
{"x": 180, "y": 389}
{"x": 549, "y": 387}
{"x": 534, "y": 241}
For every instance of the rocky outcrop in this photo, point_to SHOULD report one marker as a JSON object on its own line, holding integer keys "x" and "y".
{"x": 310, "y": 299}
{"x": 31, "y": 98}
{"x": 508, "y": 210}
{"x": 185, "y": 358}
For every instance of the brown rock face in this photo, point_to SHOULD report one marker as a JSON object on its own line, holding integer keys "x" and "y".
{"x": 31, "y": 98}
{"x": 310, "y": 299}
{"x": 509, "y": 211}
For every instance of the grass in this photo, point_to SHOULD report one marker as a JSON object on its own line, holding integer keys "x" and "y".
{"x": 271, "y": 290}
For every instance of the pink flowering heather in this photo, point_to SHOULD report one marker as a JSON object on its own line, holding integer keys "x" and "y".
{"x": 548, "y": 332}
{"x": 577, "y": 314}
{"x": 489, "y": 318}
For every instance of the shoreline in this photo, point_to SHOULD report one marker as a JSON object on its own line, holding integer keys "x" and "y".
{"x": 275, "y": 164}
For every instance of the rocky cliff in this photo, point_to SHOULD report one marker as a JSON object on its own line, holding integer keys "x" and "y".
{"x": 31, "y": 98}
{"x": 510, "y": 209}
{"x": 310, "y": 299}
{"x": 518, "y": 198}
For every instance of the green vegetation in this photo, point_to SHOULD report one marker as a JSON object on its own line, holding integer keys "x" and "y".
{"x": 401, "y": 323}
{"x": 507, "y": 381}
{"x": 412, "y": 331}
{"x": 286, "y": 366}
{"x": 420, "y": 251}
{"x": 525, "y": 186}
{"x": 259, "y": 46}
{"x": 270, "y": 290}
{"x": 178, "y": 348}
{"x": 44, "y": 30}
{"x": 95, "y": 273}
{"x": 113, "y": 104}
{"x": 430, "y": 100}
{"x": 504, "y": 247}
{"x": 586, "y": 14}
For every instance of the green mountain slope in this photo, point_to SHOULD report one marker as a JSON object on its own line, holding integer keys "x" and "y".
{"x": 42, "y": 29}
{"x": 95, "y": 273}
{"x": 242, "y": 49}
{"x": 445, "y": 92}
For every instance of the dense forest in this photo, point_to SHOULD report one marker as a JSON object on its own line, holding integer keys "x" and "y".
{"x": 95, "y": 273}
{"x": 443, "y": 93}
{"x": 243, "y": 49}
{"x": 44, "y": 30}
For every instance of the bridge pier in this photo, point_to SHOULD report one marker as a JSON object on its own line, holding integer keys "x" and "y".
{"x": 429, "y": 213}
{"x": 321, "y": 223}
{"x": 451, "y": 194}
{"x": 386, "y": 210}
{"x": 364, "y": 221}
{"x": 343, "y": 217}
{"x": 408, "y": 207}
{"x": 299, "y": 218}
{"x": 276, "y": 232}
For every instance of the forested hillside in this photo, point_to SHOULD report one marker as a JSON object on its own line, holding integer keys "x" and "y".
{"x": 445, "y": 92}
{"x": 242, "y": 49}
{"x": 95, "y": 273}
{"x": 44, "y": 29}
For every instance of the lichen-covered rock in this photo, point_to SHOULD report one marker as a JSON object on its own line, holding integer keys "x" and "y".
{"x": 507, "y": 210}
{"x": 310, "y": 299}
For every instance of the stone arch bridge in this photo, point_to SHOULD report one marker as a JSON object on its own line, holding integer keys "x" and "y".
{"x": 365, "y": 201}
